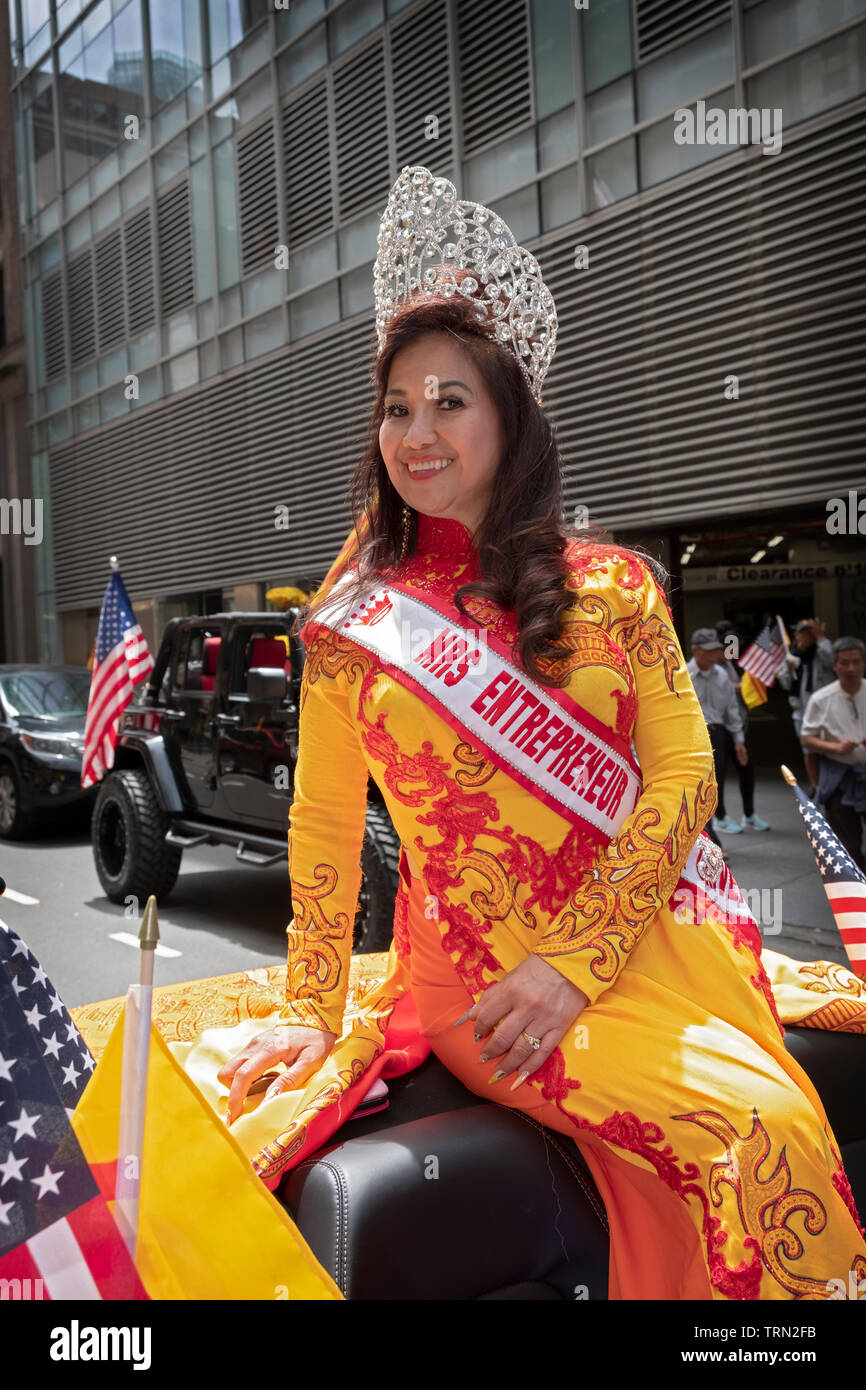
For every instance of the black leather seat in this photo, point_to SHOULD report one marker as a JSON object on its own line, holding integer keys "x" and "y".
{"x": 444, "y": 1197}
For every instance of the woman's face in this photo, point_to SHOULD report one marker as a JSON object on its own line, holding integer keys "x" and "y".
{"x": 441, "y": 437}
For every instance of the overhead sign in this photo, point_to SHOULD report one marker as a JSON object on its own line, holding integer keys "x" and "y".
{"x": 735, "y": 576}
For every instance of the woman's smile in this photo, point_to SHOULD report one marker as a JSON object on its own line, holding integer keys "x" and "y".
{"x": 427, "y": 467}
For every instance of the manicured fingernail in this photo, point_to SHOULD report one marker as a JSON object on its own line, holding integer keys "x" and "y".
{"x": 463, "y": 1017}
{"x": 497, "y": 1076}
{"x": 521, "y": 1077}
{"x": 478, "y": 1037}
{"x": 482, "y": 1058}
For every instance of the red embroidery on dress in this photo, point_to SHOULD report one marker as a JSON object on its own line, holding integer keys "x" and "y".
{"x": 402, "y": 944}
{"x": 839, "y": 1179}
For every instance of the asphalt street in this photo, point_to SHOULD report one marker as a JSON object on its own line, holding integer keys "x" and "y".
{"x": 223, "y": 916}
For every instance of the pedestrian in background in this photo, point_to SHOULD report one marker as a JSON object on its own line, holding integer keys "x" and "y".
{"x": 834, "y": 728}
{"x": 809, "y": 667}
{"x": 745, "y": 770}
{"x": 719, "y": 707}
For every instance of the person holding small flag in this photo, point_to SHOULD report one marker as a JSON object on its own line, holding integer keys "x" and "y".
{"x": 834, "y": 727}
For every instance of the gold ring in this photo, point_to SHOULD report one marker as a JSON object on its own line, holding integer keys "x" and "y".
{"x": 534, "y": 1043}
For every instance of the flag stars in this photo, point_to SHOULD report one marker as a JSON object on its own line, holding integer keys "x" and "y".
{"x": 25, "y": 1124}
{"x": 56, "y": 1005}
{"x": 69, "y": 1074}
{"x": 51, "y": 1046}
{"x": 48, "y": 1181}
{"x": 11, "y": 1169}
{"x": 39, "y": 976}
{"x": 6, "y": 1068}
{"x": 4, "y": 1208}
{"x": 34, "y": 1017}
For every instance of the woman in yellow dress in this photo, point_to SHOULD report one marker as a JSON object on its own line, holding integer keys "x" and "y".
{"x": 572, "y": 943}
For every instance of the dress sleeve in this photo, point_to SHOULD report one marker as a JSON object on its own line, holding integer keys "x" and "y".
{"x": 591, "y": 938}
{"x": 326, "y": 833}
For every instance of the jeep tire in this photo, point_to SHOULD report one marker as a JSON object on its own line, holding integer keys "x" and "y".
{"x": 380, "y": 858}
{"x": 128, "y": 836}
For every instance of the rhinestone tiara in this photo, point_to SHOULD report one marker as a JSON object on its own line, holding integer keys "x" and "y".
{"x": 425, "y": 221}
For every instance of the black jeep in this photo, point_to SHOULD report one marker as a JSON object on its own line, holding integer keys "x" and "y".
{"x": 206, "y": 755}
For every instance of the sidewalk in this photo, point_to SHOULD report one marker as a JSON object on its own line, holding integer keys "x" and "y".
{"x": 781, "y": 864}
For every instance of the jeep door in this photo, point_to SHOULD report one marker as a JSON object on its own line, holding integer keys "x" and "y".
{"x": 256, "y": 737}
{"x": 187, "y": 720}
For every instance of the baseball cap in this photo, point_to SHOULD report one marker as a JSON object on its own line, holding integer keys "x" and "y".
{"x": 706, "y": 638}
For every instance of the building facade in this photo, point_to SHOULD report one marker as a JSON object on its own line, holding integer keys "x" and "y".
{"x": 199, "y": 187}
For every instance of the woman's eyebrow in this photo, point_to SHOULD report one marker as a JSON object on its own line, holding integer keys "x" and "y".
{"x": 398, "y": 390}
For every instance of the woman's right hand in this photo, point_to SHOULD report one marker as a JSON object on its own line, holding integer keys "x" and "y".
{"x": 302, "y": 1049}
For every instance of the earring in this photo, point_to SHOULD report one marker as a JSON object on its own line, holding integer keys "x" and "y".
{"x": 407, "y": 522}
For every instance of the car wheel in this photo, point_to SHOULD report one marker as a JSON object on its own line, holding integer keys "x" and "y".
{"x": 14, "y": 823}
{"x": 380, "y": 858}
{"x": 128, "y": 837}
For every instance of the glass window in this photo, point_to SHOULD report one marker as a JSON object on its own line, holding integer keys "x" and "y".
{"x": 560, "y": 199}
{"x": 264, "y": 334}
{"x": 183, "y": 371}
{"x": 613, "y": 174}
{"x": 40, "y": 159}
{"x": 106, "y": 210}
{"x": 112, "y": 404}
{"x": 175, "y": 41}
{"x": 506, "y": 164}
{"x": 232, "y": 348}
{"x": 606, "y": 33}
{"x": 225, "y": 198}
{"x": 314, "y": 262}
{"x": 520, "y": 211}
{"x": 688, "y": 72}
{"x": 813, "y": 81}
{"x": 551, "y": 41}
{"x": 231, "y": 21}
{"x": 557, "y": 139}
{"x": 263, "y": 291}
{"x": 358, "y": 241}
{"x": 779, "y": 25}
{"x": 314, "y": 310}
{"x": 179, "y": 331}
{"x": 357, "y": 291}
{"x": 299, "y": 14}
{"x": 201, "y": 227}
{"x": 352, "y": 22}
{"x": 302, "y": 58}
{"x": 610, "y": 111}
{"x": 254, "y": 95}
{"x": 113, "y": 367}
{"x": 171, "y": 160}
{"x": 135, "y": 187}
{"x": 662, "y": 158}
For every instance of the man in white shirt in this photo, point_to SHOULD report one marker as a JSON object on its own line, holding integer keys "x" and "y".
{"x": 834, "y": 727}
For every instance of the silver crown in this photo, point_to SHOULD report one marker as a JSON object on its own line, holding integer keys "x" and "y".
{"x": 505, "y": 278}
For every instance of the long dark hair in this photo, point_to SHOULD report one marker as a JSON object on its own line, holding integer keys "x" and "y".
{"x": 523, "y": 537}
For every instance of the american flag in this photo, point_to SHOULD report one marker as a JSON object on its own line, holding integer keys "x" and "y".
{"x": 764, "y": 657}
{"x": 58, "y": 1239}
{"x": 844, "y": 883}
{"x": 122, "y": 659}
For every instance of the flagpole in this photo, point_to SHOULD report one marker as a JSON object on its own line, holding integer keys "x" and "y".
{"x": 133, "y": 1089}
{"x": 788, "y": 776}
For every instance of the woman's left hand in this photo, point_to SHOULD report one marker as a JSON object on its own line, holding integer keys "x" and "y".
{"x": 533, "y": 998}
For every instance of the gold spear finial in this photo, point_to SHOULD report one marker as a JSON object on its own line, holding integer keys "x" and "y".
{"x": 789, "y": 776}
{"x": 148, "y": 936}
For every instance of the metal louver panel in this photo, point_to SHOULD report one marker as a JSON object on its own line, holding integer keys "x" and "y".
{"x": 82, "y": 321}
{"x": 139, "y": 272}
{"x": 257, "y": 197}
{"x": 662, "y": 23}
{"x": 307, "y": 162}
{"x": 361, "y": 132}
{"x": 182, "y": 461}
{"x": 494, "y": 47}
{"x": 753, "y": 271}
{"x": 52, "y": 325}
{"x": 752, "y": 267}
{"x": 175, "y": 249}
{"x": 423, "y": 89}
{"x": 109, "y": 291}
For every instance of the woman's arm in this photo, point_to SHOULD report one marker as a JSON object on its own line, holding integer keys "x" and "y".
{"x": 590, "y": 940}
{"x": 327, "y": 821}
